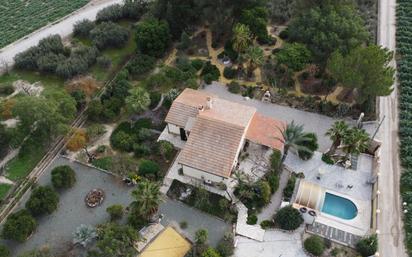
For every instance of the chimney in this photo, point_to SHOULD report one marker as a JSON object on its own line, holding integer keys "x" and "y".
{"x": 209, "y": 103}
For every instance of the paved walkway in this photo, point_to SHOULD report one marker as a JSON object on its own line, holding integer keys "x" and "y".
{"x": 276, "y": 200}
{"x": 63, "y": 28}
{"x": 333, "y": 234}
{"x": 312, "y": 122}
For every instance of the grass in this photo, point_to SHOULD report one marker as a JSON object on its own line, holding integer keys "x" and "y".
{"x": 50, "y": 82}
{"x": 4, "y": 189}
{"x": 19, "y": 167}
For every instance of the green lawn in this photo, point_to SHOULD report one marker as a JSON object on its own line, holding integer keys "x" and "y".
{"x": 19, "y": 167}
{"x": 4, "y": 189}
{"x": 50, "y": 82}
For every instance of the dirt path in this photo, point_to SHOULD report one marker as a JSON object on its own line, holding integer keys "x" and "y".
{"x": 64, "y": 28}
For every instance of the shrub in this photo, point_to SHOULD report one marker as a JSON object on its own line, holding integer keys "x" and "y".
{"x": 210, "y": 72}
{"x": 109, "y": 34}
{"x": 82, "y": 28}
{"x": 234, "y": 87}
{"x": 63, "y": 177}
{"x": 267, "y": 224}
{"x": 273, "y": 180}
{"x": 367, "y": 246}
{"x": 312, "y": 144}
{"x": 141, "y": 64}
{"x": 275, "y": 159}
{"x": 229, "y": 73}
{"x": 104, "y": 163}
{"x": 152, "y": 37}
{"x": 19, "y": 226}
{"x": 210, "y": 252}
{"x": 94, "y": 131}
{"x": 251, "y": 219}
{"x": 327, "y": 159}
{"x": 290, "y": 187}
{"x": 43, "y": 200}
{"x": 111, "y": 13}
{"x": 184, "y": 41}
{"x": 183, "y": 224}
{"x": 122, "y": 141}
{"x": 197, "y": 64}
{"x": 104, "y": 62}
{"x": 288, "y": 218}
{"x": 265, "y": 192}
{"x": 77, "y": 141}
{"x": 284, "y": 34}
{"x": 141, "y": 150}
{"x": 134, "y": 9}
{"x": 148, "y": 168}
{"x": 295, "y": 56}
{"x": 166, "y": 149}
{"x": 115, "y": 211}
{"x": 314, "y": 245}
{"x": 138, "y": 100}
{"x": 225, "y": 246}
{"x": 4, "y": 251}
{"x": 201, "y": 236}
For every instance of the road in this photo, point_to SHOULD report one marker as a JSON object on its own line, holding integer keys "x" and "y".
{"x": 391, "y": 236}
{"x": 63, "y": 28}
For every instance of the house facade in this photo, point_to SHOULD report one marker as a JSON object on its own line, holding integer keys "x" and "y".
{"x": 215, "y": 131}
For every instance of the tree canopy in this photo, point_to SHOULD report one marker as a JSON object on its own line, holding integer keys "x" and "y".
{"x": 327, "y": 27}
{"x": 63, "y": 177}
{"x": 152, "y": 37}
{"x": 138, "y": 100}
{"x": 295, "y": 56}
{"x": 43, "y": 200}
{"x": 366, "y": 69}
{"x": 19, "y": 226}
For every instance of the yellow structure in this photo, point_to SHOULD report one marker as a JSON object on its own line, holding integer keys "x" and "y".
{"x": 168, "y": 243}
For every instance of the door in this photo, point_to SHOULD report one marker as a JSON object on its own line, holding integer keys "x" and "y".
{"x": 183, "y": 134}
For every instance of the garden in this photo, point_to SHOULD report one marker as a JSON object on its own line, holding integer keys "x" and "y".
{"x": 19, "y": 19}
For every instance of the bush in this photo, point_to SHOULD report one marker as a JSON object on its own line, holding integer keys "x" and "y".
{"x": 104, "y": 62}
{"x": 94, "y": 131}
{"x": 210, "y": 72}
{"x": 185, "y": 41}
{"x": 265, "y": 192}
{"x": 327, "y": 159}
{"x": 141, "y": 150}
{"x": 267, "y": 224}
{"x": 201, "y": 236}
{"x": 284, "y": 34}
{"x": 275, "y": 160}
{"x": 152, "y": 37}
{"x": 367, "y": 246}
{"x": 104, "y": 163}
{"x": 197, "y": 64}
{"x": 63, "y": 177}
{"x": 43, "y": 200}
{"x": 109, "y": 34}
{"x": 251, "y": 219}
{"x": 19, "y": 226}
{"x": 288, "y": 218}
{"x": 4, "y": 251}
{"x": 148, "y": 168}
{"x": 166, "y": 149}
{"x": 82, "y": 28}
{"x": 229, "y": 73}
{"x": 134, "y": 9}
{"x": 111, "y": 13}
{"x": 234, "y": 87}
{"x": 183, "y": 225}
{"x": 225, "y": 246}
{"x": 141, "y": 64}
{"x": 273, "y": 180}
{"x": 290, "y": 187}
{"x": 314, "y": 245}
{"x": 311, "y": 144}
{"x": 115, "y": 211}
{"x": 210, "y": 252}
{"x": 295, "y": 56}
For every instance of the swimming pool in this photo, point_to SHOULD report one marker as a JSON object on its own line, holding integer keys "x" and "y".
{"x": 339, "y": 206}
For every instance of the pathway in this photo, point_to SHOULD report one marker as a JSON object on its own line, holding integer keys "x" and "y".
{"x": 276, "y": 200}
{"x": 64, "y": 28}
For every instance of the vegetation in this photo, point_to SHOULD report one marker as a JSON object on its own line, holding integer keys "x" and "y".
{"x": 201, "y": 236}
{"x": 312, "y": 144}
{"x": 367, "y": 246}
{"x": 43, "y": 200}
{"x": 63, "y": 177}
{"x": 295, "y": 56}
{"x": 109, "y": 34}
{"x": 4, "y": 251}
{"x": 148, "y": 168}
{"x": 153, "y": 37}
{"x": 314, "y": 245}
{"x": 288, "y": 218}
{"x": 210, "y": 252}
{"x": 115, "y": 211}
{"x": 140, "y": 64}
{"x": 18, "y": 19}
{"x": 19, "y": 226}
{"x": 147, "y": 198}
{"x": 290, "y": 187}
{"x": 138, "y": 100}
{"x": 84, "y": 235}
{"x": 225, "y": 247}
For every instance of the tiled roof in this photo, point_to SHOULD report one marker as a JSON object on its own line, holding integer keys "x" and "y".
{"x": 185, "y": 106}
{"x": 265, "y": 130}
{"x": 212, "y": 146}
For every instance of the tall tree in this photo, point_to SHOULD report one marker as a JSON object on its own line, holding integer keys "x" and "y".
{"x": 138, "y": 100}
{"x": 329, "y": 26}
{"x": 355, "y": 142}
{"x": 241, "y": 37}
{"x": 147, "y": 198}
{"x": 293, "y": 137}
{"x": 295, "y": 56}
{"x": 366, "y": 69}
{"x": 336, "y": 133}
{"x": 152, "y": 37}
{"x": 255, "y": 57}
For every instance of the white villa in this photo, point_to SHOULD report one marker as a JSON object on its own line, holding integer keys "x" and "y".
{"x": 215, "y": 131}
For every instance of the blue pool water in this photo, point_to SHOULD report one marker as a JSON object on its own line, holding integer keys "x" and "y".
{"x": 339, "y": 206}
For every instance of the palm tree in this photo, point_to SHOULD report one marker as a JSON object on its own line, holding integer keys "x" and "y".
{"x": 147, "y": 198}
{"x": 293, "y": 137}
{"x": 355, "y": 142}
{"x": 241, "y": 37}
{"x": 255, "y": 57}
{"x": 336, "y": 133}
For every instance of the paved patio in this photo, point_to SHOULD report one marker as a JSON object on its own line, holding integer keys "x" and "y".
{"x": 313, "y": 122}
{"x": 333, "y": 175}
